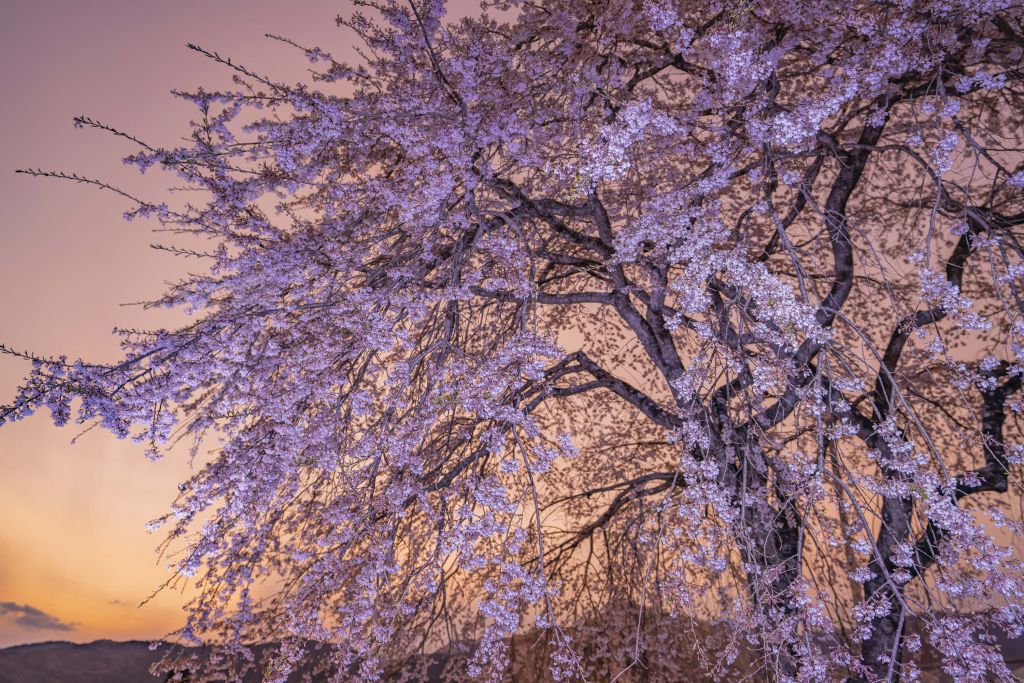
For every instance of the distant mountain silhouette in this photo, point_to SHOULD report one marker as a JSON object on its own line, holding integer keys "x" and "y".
{"x": 102, "y": 661}
{"x": 107, "y": 661}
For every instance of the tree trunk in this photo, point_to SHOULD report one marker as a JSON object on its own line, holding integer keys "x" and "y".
{"x": 882, "y": 651}
{"x": 772, "y": 543}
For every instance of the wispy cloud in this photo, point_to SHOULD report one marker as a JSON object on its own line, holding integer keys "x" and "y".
{"x": 31, "y": 617}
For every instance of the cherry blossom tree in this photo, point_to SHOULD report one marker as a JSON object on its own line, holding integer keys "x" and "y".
{"x": 618, "y": 324}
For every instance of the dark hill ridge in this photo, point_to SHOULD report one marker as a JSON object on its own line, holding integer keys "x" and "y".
{"x": 107, "y": 661}
{"x": 102, "y": 661}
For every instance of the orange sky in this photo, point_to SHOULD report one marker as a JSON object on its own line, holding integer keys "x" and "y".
{"x": 72, "y": 542}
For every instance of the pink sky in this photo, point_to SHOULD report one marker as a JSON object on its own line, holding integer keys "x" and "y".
{"x": 72, "y": 542}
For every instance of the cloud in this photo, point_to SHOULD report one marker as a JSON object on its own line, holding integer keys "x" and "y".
{"x": 31, "y": 617}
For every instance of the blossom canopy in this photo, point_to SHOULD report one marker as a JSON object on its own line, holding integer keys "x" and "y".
{"x": 601, "y": 321}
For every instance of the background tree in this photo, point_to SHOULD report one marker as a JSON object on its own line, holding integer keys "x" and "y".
{"x": 691, "y": 313}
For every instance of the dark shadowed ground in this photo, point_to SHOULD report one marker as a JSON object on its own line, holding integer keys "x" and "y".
{"x": 105, "y": 661}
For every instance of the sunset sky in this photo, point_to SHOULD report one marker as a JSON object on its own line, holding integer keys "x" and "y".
{"x": 75, "y": 560}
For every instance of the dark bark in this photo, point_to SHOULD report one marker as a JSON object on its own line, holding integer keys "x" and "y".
{"x": 885, "y": 641}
